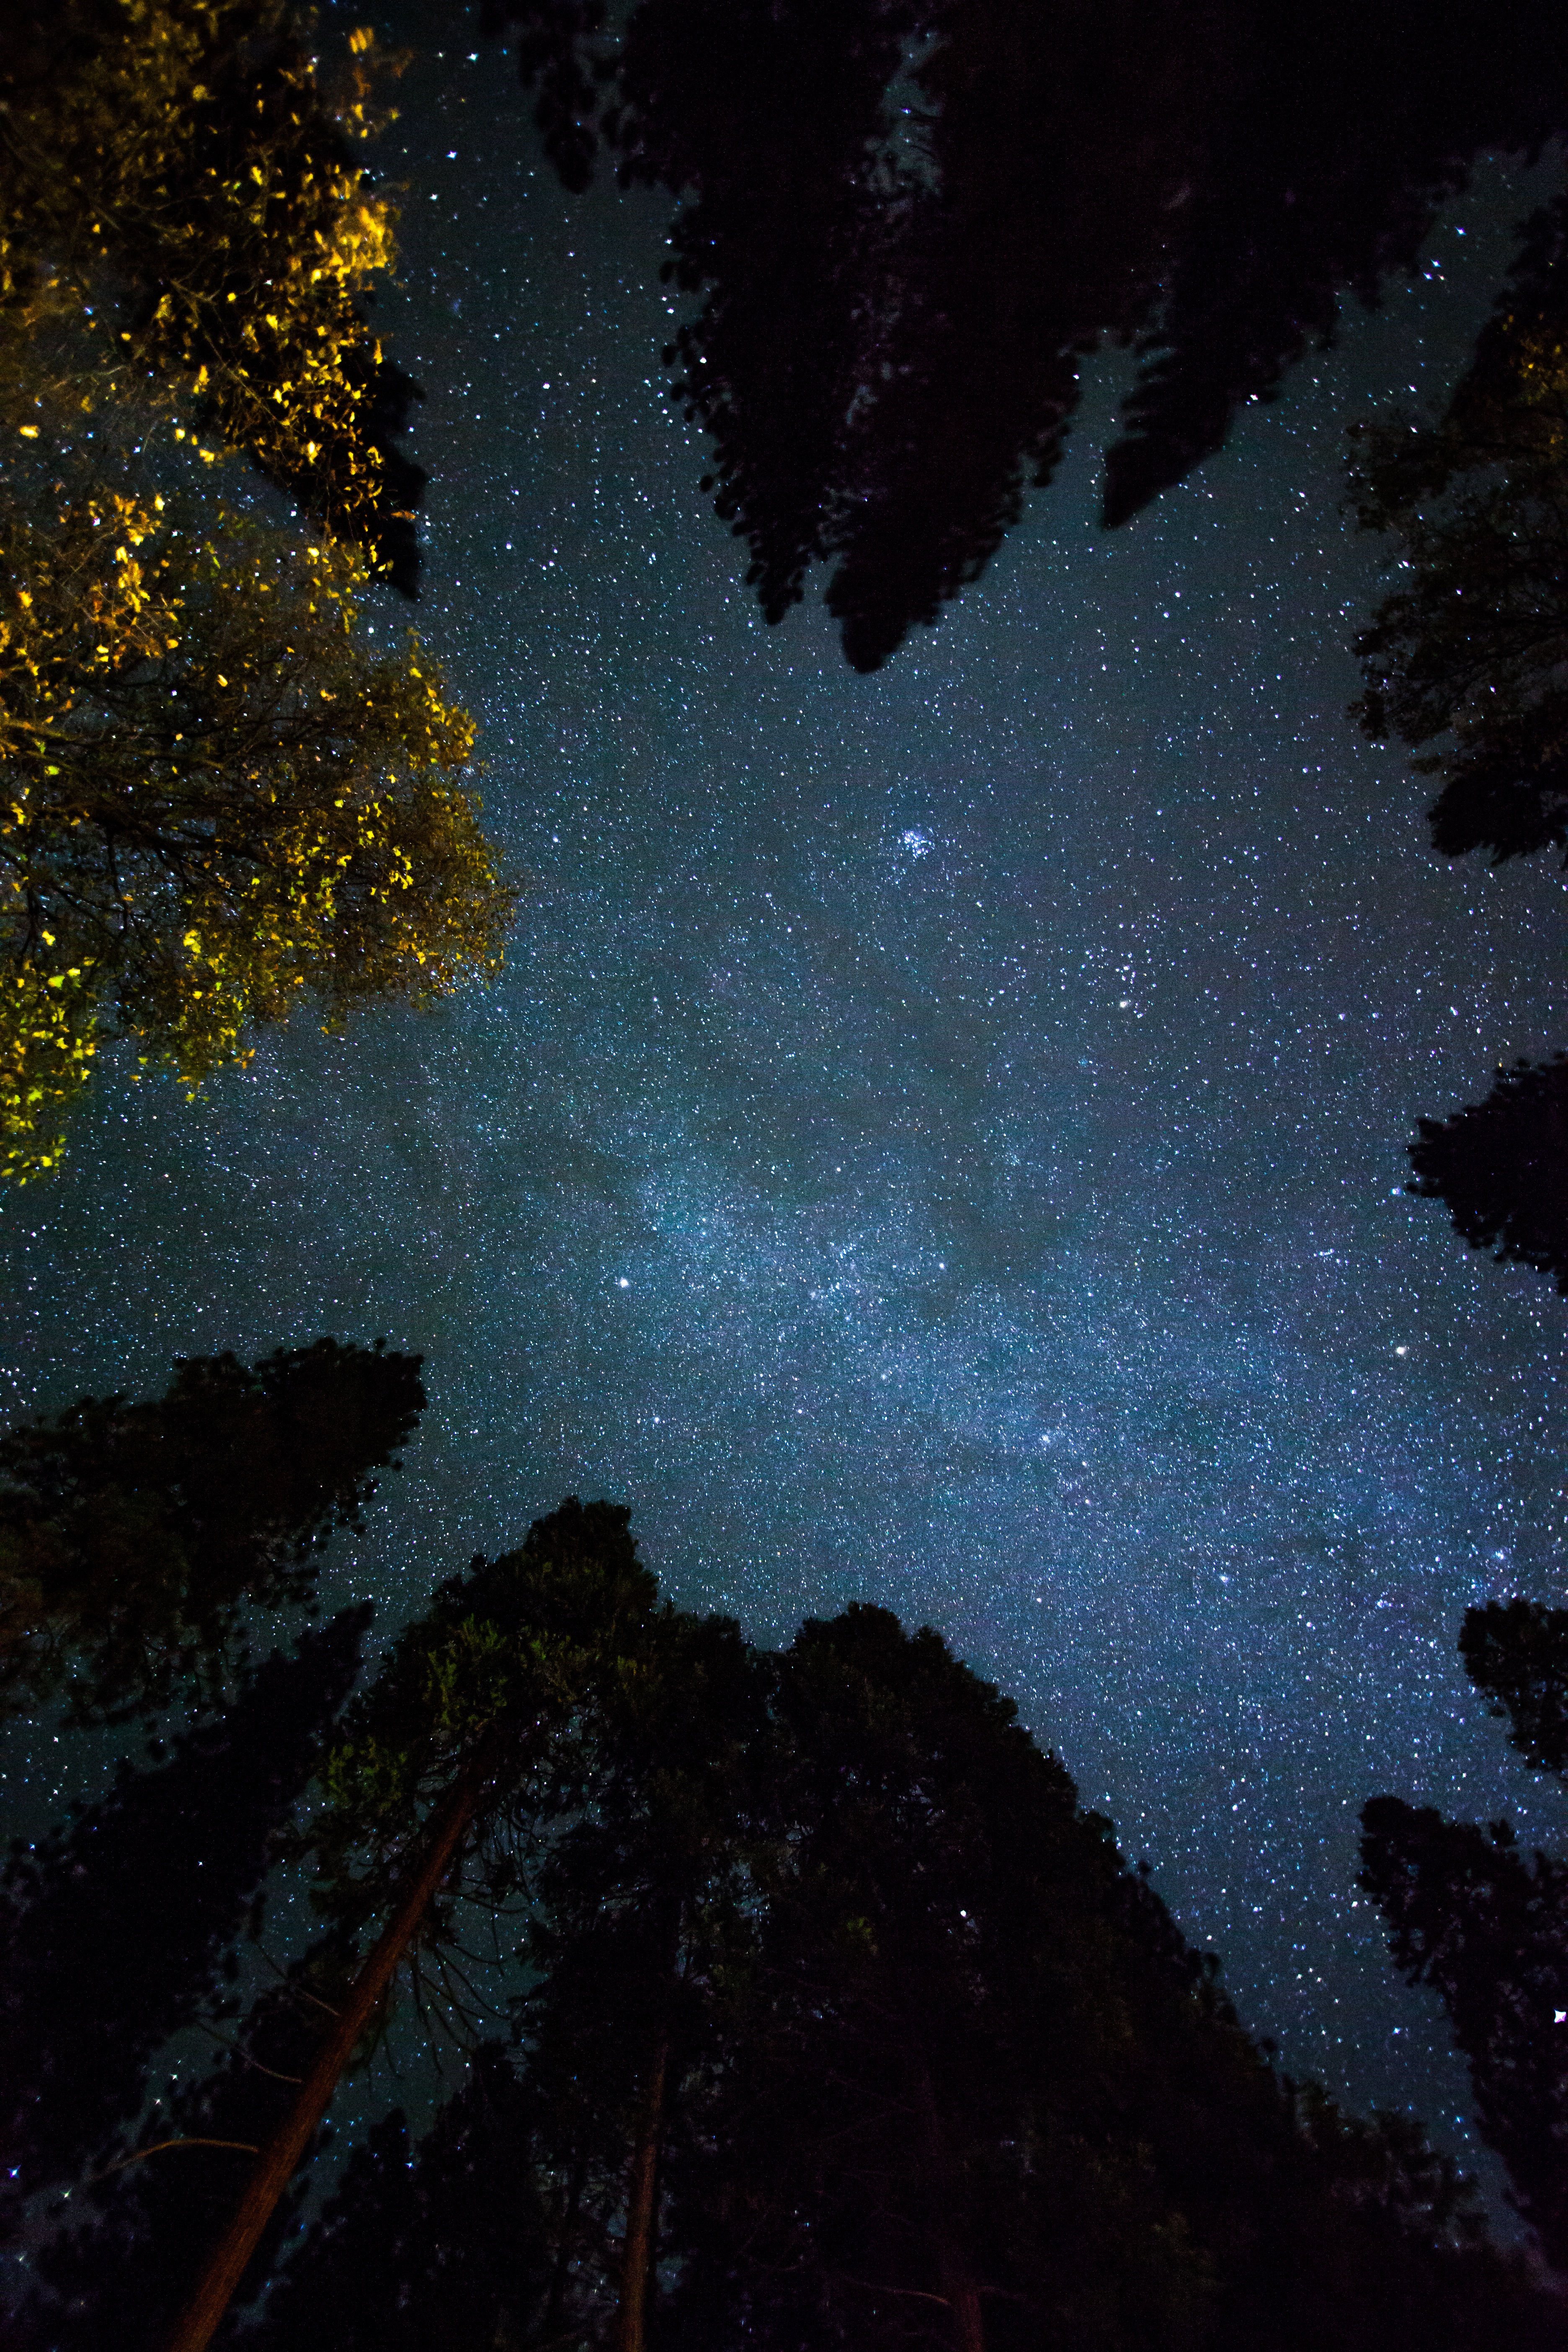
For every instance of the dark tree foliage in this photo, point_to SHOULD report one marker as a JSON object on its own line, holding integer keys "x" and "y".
{"x": 909, "y": 224}
{"x": 1517, "y": 1652}
{"x": 114, "y": 2279}
{"x": 134, "y": 1538}
{"x": 1502, "y": 1166}
{"x": 1487, "y": 1928}
{"x": 1468, "y": 651}
{"x": 977, "y": 2091}
{"x": 119, "y": 1927}
{"x": 640, "y": 1920}
{"x": 440, "y": 2248}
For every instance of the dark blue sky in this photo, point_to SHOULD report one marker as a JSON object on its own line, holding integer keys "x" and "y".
{"x": 939, "y": 1138}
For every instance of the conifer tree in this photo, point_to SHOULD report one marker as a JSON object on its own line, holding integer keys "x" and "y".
{"x": 983, "y": 2095}
{"x": 481, "y": 1721}
{"x": 1486, "y": 1926}
{"x": 442, "y": 2243}
{"x": 119, "y": 1928}
{"x": 903, "y": 229}
{"x": 136, "y": 1539}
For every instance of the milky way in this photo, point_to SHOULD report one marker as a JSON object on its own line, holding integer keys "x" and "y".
{"x": 939, "y": 1138}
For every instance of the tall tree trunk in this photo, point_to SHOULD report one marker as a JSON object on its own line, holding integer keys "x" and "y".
{"x": 556, "y": 2302}
{"x": 959, "y": 2287}
{"x": 642, "y": 2204}
{"x": 193, "y": 2329}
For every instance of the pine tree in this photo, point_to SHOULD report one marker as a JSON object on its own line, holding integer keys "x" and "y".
{"x": 422, "y": 2248}
{"x": 119, "y": 1927}
{"x": 484, "y": 1714}
{"x": 905, "y": 227}
{"x": 136, "y": 1539}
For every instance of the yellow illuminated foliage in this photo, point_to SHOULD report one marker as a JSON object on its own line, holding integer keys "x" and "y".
{"x": 214, "y": 801}
{"x": 178, "y": 190}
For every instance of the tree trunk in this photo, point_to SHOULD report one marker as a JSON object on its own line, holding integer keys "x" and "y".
{"x": 960, "y": 2288}
{"x": 193, "y": 2329}
{"x": 642, "y": 2204}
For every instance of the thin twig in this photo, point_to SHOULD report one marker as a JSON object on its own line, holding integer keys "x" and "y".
{"x": 245, "y": 2147}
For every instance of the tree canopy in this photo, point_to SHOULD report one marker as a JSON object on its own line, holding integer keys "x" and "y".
{"x": 217, "y": 801}
{"x": 835, "y": 2021}
{"x": 1502, "y": 1166}
{"x": 136, "y": 1539}
{"x": 162, "y": 1874}
{"x": 1486, "y": 1925}
{"x": 180, "y": 201}
{"x": 908, "y": 227}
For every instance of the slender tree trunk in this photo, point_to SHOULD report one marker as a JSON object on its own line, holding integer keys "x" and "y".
{"x": 193, "y": 2329}
{"x": 642, "y": 2205}
{"x": 558, "y": 2276}
{"x": 959, "y": 2287}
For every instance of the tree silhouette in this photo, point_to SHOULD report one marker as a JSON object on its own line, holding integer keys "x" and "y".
{"x": 484, "y": 1711}
{"x": 118, "y": 1928}
{"x": 977, "y": 2091}
{"x": 908, "y": 227}
{"x": 421, "y": 2248}
{"x": 1487, "y": 1926}
{"x": 1502, "y": 1166}
{"x": 136, "y": 1539}
{"x": 111, "y": 2279}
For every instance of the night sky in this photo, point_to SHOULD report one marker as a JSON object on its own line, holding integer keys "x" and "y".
{"x": 939, "y": 1138}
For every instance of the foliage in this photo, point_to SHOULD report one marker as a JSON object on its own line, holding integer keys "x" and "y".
{"x": 907, "y": 226}
{"x": 510, "y": 1658}
{"x": 214, "y": 801}
{"x": 977, "y": 2088}
{"x": 441, "y": 2245}
{"x": 1485, "y": 1927}
{"x": 180, "y": 201}
{"x": 135, "y": 1537}
{"x": 1469, "y": 651}
{"x": 1501, "y": 1165}
{"x": 114, "y": 2276}
{"x": 1468, "y": 1915}
{"x": 162, "y": 1875}
{"x": 1517, "y": 1652}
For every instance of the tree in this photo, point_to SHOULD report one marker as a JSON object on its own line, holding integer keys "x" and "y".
{"x": 1487, "y": 1926}
{"x": 1467, "y": 652}
{"x": 136, "y": 1539}
{"x": 424, "y": 2248}
{"x": 907, "y": 226}
{"x": 1469, "y": 655}
{"x": 160, "y": 1874}
{"x": 638, "y": 1916}
{"x": 1502, "y": 1166}
{"x": 981, "y": 2094}
{"x": 216, "y": 804}
{"x": 110, "y": 2279}
{"x": 483, "y": 1712}
{"x": 181, "y": 203}
{"x": 1517, "y": 1652}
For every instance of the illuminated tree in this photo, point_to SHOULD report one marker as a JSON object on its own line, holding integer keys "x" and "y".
{"x": 180, "y": 201}
{"x": 214, "y": 803}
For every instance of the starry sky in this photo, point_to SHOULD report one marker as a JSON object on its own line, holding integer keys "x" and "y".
{"x": 939, "y": 1138}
